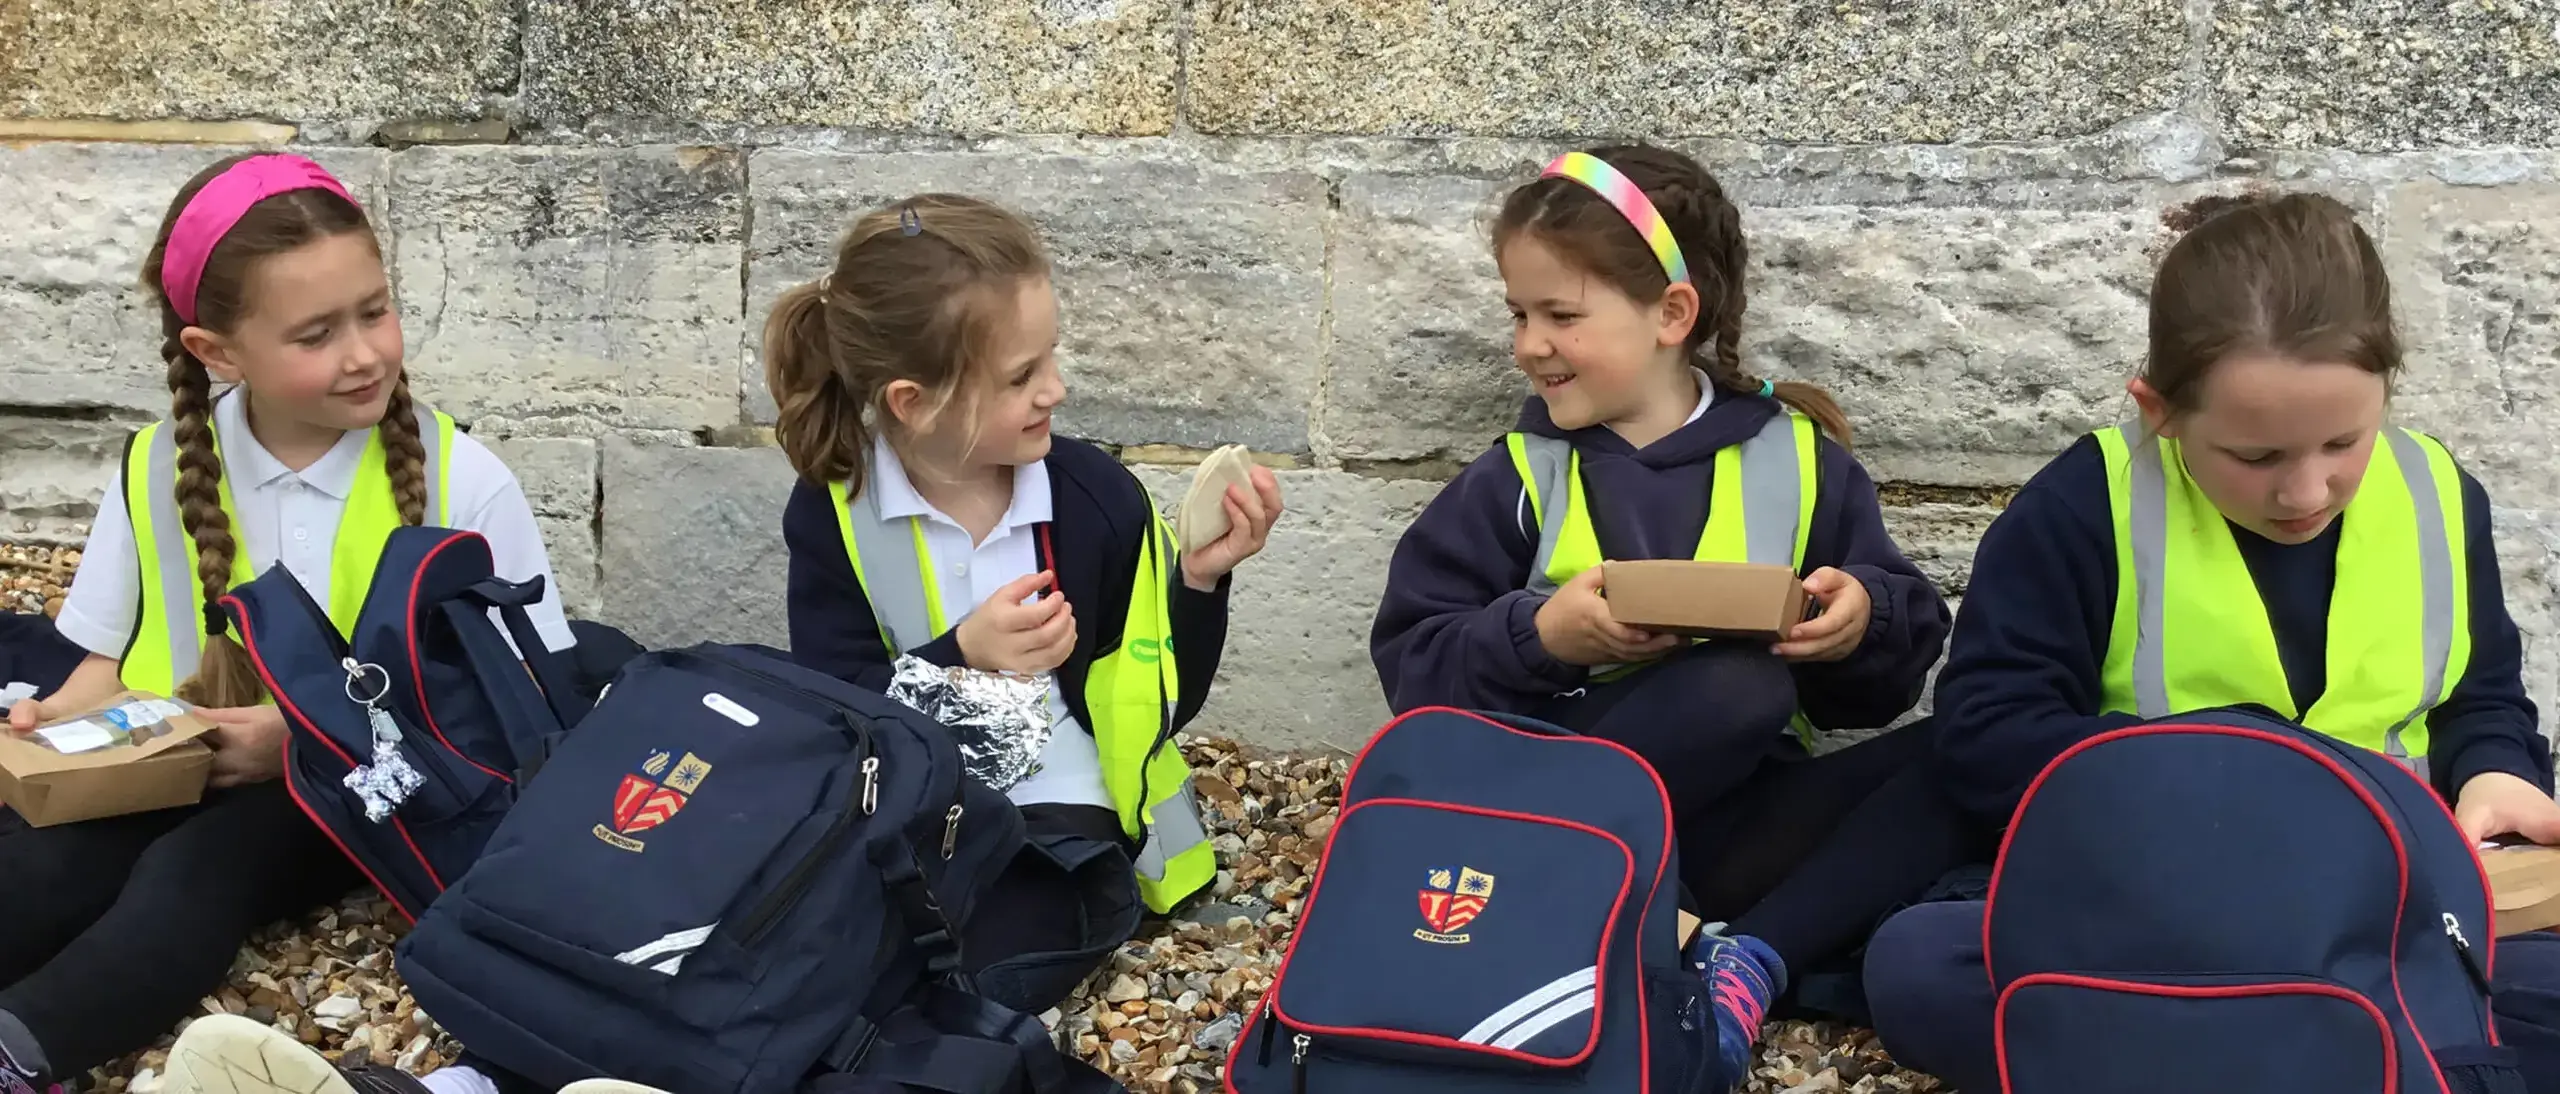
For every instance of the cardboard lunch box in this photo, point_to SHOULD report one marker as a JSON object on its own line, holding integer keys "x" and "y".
{"x": 1706, "y": 599}
{"x": 2524, "y": 887}
{"x": 136, "y": 753}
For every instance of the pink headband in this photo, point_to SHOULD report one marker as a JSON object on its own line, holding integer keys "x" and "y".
{"x": 211, "y": 213}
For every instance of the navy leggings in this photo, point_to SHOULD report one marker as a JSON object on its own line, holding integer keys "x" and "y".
{"x": 1807, "y": 853}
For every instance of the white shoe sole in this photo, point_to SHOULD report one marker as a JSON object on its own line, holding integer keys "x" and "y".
{"x": 608, "y": 1086}
{"x": 228, "y": 1054}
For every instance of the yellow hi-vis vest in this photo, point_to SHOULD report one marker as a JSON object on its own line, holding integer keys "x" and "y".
{"x": 168, "y": 634}
{"x": 2399, "y": 619}
{"x": 1760, "y": 508}
{"x": 1130, "y": 692}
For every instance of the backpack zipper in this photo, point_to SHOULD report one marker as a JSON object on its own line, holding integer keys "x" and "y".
{"x": 1298, "y": 1063}
{"x": 770, "y": 910}
{"x": 2470, "y": 961}
{"x": 1270, "y": 1028}
{"x": 951, "y": 832}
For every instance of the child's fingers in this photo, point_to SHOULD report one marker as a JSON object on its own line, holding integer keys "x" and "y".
{"x": 24, "y": 715}
{"x": 1061, "y": 625}
{"x": 1022, "y": 588}
{"x": 1267, "y": 486}
{"x": 1243, "y": 513}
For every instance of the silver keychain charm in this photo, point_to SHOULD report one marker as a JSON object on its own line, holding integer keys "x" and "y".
{"x": 388, "y": 780}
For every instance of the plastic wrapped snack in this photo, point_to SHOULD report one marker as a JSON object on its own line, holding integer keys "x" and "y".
{"x": 1000, "y": 720}
{"x": 131, "y": 723}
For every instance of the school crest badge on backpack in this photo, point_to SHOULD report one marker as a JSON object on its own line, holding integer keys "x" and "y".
{"x": 651, "y": 797}
{"x": 1408, "y": 976}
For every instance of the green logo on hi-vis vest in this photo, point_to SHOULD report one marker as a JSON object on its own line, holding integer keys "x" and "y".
{"x": 1146, "y": 650}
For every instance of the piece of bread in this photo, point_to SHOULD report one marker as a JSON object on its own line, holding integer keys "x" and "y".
{"x": 1202, "y": 520}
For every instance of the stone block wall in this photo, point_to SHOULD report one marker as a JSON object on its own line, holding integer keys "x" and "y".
{"x": 1269, "y": 217}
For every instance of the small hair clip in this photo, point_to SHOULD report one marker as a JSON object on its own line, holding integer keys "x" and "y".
{"x": 908, "y": 222}
{"x": 825, "y": 282}
{"x": 1767, "y": 389}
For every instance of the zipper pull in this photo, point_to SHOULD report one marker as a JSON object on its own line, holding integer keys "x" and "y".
{"x": 871, "y": 786}
{"x": 1270, "y": 1026}
{"x": 1298, "y": 1060}
{"x": 2462, "y": 946}
{"x": 950, "y": 833}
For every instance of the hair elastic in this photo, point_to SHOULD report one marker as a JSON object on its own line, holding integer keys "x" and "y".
{"x": 211, "y": 214}
{"x": 1768, "y": 390}
{"x": 1622, "y": 193}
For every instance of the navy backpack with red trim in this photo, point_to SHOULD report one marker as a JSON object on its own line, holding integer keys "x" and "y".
{"x": 1496, "y": 910}
{"x": 428, "y": 676}
{"x": 2223, "y": 901}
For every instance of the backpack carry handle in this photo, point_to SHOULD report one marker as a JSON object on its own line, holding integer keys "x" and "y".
{"x": 510, "y": 599}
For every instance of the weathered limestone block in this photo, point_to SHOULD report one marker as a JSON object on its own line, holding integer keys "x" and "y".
{"x": 215, "y": 59}
{"x": 1296, "y": 669}
{"x": 580, "y": 288}
{"x": 53, "y": 471}
{"x": 1780, "y": 70}
{"x": 2385, "y": 74}
{"x": 1969, "y": 345}
{"x": 559, "y": 479}
{"x": 692, "y": 548}
{"x": 76, "y": 326}
{"x": 2476, "y": 284}
{"x": 961, "y": 66}
{"x": 1190, "y": 298}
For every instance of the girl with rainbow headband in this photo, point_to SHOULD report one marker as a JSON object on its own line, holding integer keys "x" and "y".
{"x": 1623, "y": 267}
{"x": 270, "y": 281}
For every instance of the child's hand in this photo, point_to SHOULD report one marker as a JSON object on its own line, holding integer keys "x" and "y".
{"x": 1835, "y": 633}
{"x": 26, "y": 715}
{"x": 248, "y": 743}
{"x": 1576, "y": 628}
{"x": 1007, "y": 635}
{"x": 1249, "y": 521}
{"x": 2494, "y": 803}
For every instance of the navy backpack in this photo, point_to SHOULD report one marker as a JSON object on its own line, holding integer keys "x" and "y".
{"x": 427, "y": 675}
{"x": 1496, "y": 910}
{"x": 739, "y": 876}
{"x": 2229, "y": 902}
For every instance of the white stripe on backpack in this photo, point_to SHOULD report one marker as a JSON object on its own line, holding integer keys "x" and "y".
{"x": 1543, "y": 1008}
{"x": 673, "y": 947}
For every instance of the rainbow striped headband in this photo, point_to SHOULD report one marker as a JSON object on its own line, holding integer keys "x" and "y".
{"x": 1621, "y": 192}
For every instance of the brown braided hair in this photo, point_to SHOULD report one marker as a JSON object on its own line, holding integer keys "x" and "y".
{"x": 916, "y": 295}
{"x": 224, "y": 676}
{"x": 1591, "y": 233}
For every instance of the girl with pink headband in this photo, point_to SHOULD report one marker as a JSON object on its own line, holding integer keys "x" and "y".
{"x": 292, "y": 441}
{"x": 1643, "y": 436}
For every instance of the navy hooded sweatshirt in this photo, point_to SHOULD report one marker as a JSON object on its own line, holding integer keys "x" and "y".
{"x": 1457, "y": 626}
{"x": 2023, "y": 680}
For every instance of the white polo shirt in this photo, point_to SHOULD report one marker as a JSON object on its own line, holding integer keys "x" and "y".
{"x": 966, "y": 574}
{"x": 292, "y": 517}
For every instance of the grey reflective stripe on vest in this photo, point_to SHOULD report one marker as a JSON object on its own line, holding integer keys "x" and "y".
{"x": 2435, "y": 585}
{"x": 892, "y": 575}
{"x": 431, "y": 441}
{"x": 1772, "y": 493}
{"x": 1550, "y": 460}
{"x": 169, "y": 539}
{"x": 2148, "y": 524}
{"x": 1772, "y": 496}
{"x": 1177, "y": 825}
